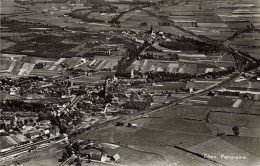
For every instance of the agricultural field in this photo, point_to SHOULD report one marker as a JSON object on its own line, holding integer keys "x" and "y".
{"x": 220, "y": 101}
{"x": 172, "y": 86}
{"x": 197, "y": 85}
{"x": 175, "y": 125}
{"x": 105, "y": 17}
{"x": 218, "y": 147}
{"x": 250, "y": 42}
{"x": 24, "y": 65}
{"x": 192, "y": 67}
{"x": 33, "y": 41}
{"x": 215, "y": 19}
{"x": 49, "y": 159}
{"x": 3, "y": 143}
{"x": 134, "y": 18}
{"x": 86, "y": 80}
{"x": 122, "y": 7}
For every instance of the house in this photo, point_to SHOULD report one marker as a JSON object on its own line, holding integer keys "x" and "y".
{"x": 116, "y": 157}
{"x": 20, "y": 139}
{"x": 45, "y": 122}
{"x": 99, "y": 157}
{"x": 44, "y": 132}
{"x": 2, "y": 132}
{"x": 88, "y": 73}
{"x": 92, "y": 154}
{"x": 32, "y": 135}
{"x": 27, "y": 128}
{"x": 134, "y": 125}
{"x": 12, "y": 93}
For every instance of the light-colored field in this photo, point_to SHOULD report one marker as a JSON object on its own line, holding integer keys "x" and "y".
{"x": 168, "y": 86}
{"x": 175, "y": 156}
{"x": 86, "y": 79}
{"x": 200, "y": 84}
{"x": 237, "y": 103}
{"x": 172, "y": 66}
{"x": 249, "y": 144}
{"x": 50, "y": 159}
{"x": 25, "y": 65}
{"x": 102, "y": 16}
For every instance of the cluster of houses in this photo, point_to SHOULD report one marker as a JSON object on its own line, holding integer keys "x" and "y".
{"x": 90, "y": 151}
{"x": 20, "y": 134}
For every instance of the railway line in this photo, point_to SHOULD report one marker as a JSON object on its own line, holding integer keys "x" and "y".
{"x": 30, "y": 147}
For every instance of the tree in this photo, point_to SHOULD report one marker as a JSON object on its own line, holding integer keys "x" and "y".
{"x": 2, "y": 126}
{"x": 235, "y": 130}
{"x": 76, "y": 146}
{"x": 78, "y": 162}
{"x": 65, "y": 156}
{"x": 26, "y": 121}
{"x": 69, "y": 150}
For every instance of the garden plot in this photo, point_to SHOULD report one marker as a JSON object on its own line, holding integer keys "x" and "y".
{"x": 5, "y": 64}
{"x": 26, "y": 69}
{"x": 154, "y": 65}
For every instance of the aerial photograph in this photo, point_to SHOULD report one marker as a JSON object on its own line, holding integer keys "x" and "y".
{"x": 130, "y": 83}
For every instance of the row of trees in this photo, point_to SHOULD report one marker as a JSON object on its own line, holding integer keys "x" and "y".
{"x": 164, "y": 23}
{"x": 124, "y": 63}
{"x": 167, "y": 76}
{"x": 251, "y": 66}
{"x": 172, "y": 57}
{"x": 20, "y": 81}
{"x": 224, "y": 93}
{"x": 21, "y": 106}
{"x": 137, "y": 105}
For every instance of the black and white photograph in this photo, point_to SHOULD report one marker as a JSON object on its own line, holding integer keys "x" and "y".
{"x": 130, "y": 83}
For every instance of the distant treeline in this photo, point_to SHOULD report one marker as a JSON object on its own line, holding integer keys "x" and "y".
{"x": 172, "y": 57}
{"x": 224, "y": 93}
{"x": 20, "y": 106}
{"x": 189, "y": 43}
{"x": 167, "y": 76}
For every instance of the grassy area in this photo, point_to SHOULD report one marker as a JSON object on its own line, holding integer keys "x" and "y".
{"x": 168, "y": 86}
{"x": 249, "y": 121}
{"x": 221, "y": 101}
{"x": 46, "y": 159}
